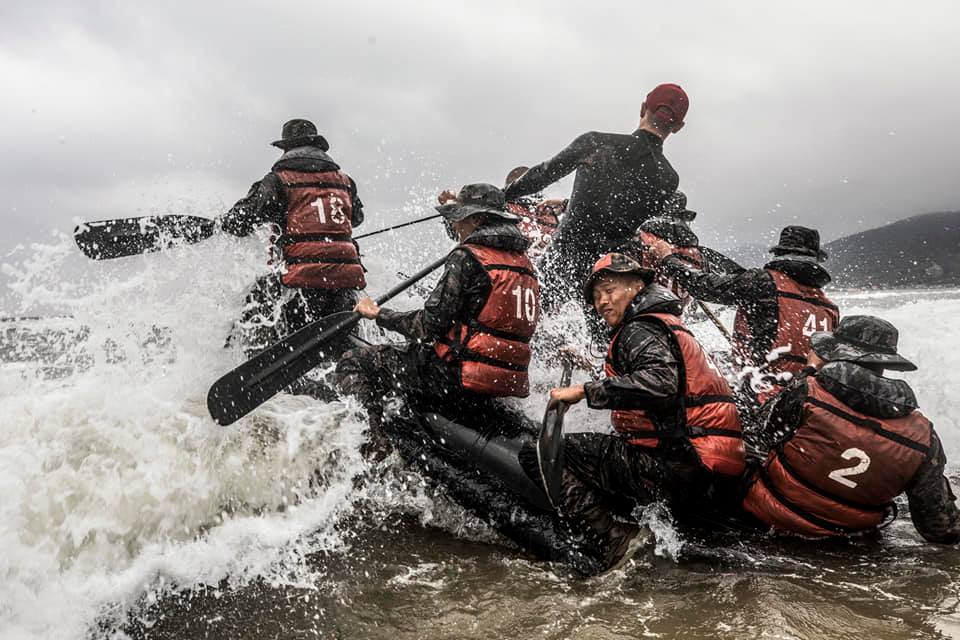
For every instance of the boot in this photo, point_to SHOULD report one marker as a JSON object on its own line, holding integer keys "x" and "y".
{"x": 623, "y": 542}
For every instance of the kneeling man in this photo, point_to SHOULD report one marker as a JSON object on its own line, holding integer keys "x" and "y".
{"x": 677, "y": 428}
{"x": 845, "y": 441}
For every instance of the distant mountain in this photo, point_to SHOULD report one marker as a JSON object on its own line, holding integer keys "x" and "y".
{"x": 922, "y": 250}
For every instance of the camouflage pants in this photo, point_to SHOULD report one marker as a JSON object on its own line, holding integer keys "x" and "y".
{"x": 272, "y": 311}
{"x": 411, "y": 371}
{"x": 605, "y": 477}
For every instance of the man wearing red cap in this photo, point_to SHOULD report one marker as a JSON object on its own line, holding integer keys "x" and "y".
{"x": 622, "y": 180}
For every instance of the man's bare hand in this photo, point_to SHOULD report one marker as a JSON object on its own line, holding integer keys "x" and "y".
{"x": 446, "y": 196}
{"x": 569, "y": 395}
{"x": 658, "y": 248}
{"x": 368, "y": 308}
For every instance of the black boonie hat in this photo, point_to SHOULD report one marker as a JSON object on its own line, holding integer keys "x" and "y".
{"x": 477, "y": 198}
{"x": 862, "y": 339}
{"x": 300, "y": 133}
{"x": 613, "y": 263}
{"x": 801, "y": 241}
{"x": 676, "y": 208}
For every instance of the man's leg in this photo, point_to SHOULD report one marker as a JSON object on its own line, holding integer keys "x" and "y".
{"x": 261, "y": 319}
{"x": 601, "y": 476}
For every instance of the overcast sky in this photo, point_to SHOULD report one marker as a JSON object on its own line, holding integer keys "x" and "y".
{"x": 842, "y": 115}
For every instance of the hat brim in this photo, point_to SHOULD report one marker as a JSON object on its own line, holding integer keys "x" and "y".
{"x": 830, "y": 348}
{"x": 455, "y": 212}
{"x": 645, "y": 274}
{"x": 820, "y": 254}
{"x": 303, "y": 141}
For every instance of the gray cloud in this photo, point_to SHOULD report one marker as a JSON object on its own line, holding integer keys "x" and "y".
{"x": 839, "y": 115}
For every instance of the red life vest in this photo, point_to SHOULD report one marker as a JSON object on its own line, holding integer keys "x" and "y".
{"x": 840, "y": 470}
{"x": 710, "y": 418}
{"x": 537, "y": 222}
{"x": 493, "y": 348}
{"x": 690, "y": 255}
{"x": 316, "y": 239}
{"x": 802, "y": 310}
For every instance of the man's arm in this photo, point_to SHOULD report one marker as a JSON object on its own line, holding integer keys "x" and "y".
{"x": 446, "y": 303}
{"x": 779, "y": 419}
{"x": 653, "y": 378}
{"x": 560, "y": 165}
{"x": 356, "y": 206}
{"x": 750, "y": 285}
{"x": 263, "y": 204}
{"x": 933, "y": 506}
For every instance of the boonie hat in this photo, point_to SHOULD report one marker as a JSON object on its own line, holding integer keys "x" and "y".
{"x": 800, "y": 241}
{"x": 864, "y": 340}
{"x": 300, "y": 133}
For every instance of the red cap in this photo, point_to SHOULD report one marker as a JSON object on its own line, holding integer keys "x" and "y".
{"x": 614, "y": 263}
{"x": 668, "y": 97}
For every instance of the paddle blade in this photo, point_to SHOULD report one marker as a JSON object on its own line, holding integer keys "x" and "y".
{"x": 257, "y": 380}
{"x": 106, "y": 239}
{"x": 550, "y": 451}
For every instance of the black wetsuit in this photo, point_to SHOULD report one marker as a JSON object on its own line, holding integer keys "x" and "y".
{"x": 622, "y": 180}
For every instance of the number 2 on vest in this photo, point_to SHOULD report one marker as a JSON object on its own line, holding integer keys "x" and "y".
{"x": 840, "y": 475}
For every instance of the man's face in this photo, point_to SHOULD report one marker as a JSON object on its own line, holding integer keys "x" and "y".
{"x": 612, "y": 294}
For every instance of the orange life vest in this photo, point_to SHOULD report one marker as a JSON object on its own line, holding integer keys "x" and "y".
{"x": 802, "y": 310}
{"x": 316, "y": 240}
{"x": 690, "y": 255}
{"x": 840, "y": 470}
{"x": 493, "y": 348}
{"x": 709, "y": 417}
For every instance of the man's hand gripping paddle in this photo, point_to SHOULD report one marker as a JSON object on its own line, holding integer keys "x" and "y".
{"x": 257, "y": 380}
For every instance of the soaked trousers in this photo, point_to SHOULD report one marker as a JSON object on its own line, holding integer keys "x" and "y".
{"x": 606, "y": 478}
{"x": 272, "y": 311}
{"x": 411, "y": 373}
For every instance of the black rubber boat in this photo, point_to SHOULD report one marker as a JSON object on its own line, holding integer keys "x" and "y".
{"x": 478, "y": 466}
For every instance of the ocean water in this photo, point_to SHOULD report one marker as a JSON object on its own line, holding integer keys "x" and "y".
{"x": 127, "y": 512}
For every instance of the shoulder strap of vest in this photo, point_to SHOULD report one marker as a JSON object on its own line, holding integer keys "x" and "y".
{"x": 477, "y": 251}
{"x": 779, "y": 279}
{"x": 341, "y": 181}
{"x": 873, "y": 425}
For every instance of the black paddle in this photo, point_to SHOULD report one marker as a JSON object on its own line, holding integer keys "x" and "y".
{"x": 257, "y": 380}
{"x": 397, "y": 226}
{"x": 106, "y": 239}
{"x": 550, "y": 443}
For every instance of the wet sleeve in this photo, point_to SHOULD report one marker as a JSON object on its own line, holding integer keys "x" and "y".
{"x": 750, "y": 285}
{"x": 653, "y": 378}
{"x": 263, "y": 204}
{"x": 933, "y": 507}
{"x": 779, "y": 419}
{"x": 443, "y": 306}
{"x": 560, "y": 165}
{"x": 356, "y": 206}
